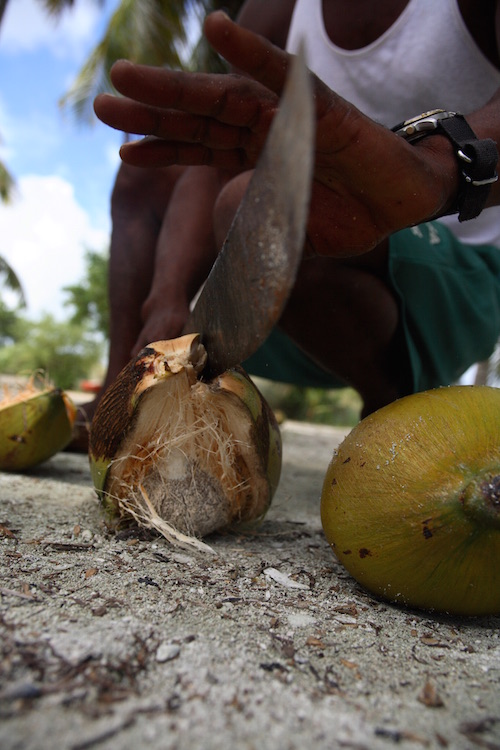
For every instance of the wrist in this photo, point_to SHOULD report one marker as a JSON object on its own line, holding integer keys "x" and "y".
{"x": 475, "y": 160}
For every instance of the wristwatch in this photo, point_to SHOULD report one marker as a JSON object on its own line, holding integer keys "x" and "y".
{"x": 477, "y": 158}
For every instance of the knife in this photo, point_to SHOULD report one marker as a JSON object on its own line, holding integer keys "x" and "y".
{"x": 253, "y": 275}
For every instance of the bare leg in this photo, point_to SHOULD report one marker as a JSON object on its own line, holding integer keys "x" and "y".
{"x": 138, "y": 204}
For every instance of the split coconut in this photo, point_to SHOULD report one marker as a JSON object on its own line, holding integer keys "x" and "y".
{"x": 181, "y": 455}
{"x": 36, "y": 422}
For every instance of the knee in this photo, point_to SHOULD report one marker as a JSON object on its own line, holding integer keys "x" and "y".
{"x": 138, "y": 189}
{"x": 227, "y": 204}
{"x": 128, "y": 183}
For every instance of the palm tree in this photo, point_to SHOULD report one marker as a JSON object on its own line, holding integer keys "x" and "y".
{"x": 146, "y": 31}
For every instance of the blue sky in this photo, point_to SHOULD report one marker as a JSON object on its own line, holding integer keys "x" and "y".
{"x": 64, "y": 170}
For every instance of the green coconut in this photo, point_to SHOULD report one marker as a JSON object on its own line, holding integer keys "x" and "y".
{"x": 411, "y": 501}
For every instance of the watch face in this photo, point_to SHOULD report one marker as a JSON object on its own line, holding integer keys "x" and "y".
{"x": 423, "y": 116}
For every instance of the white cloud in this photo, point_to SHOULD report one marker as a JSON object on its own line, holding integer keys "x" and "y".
{"x": 27, "y": 27}
{"x": 44, "y": 234}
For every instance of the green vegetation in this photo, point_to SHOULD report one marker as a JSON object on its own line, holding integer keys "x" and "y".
{"x": 89, "y": 298}
{"x": 340, "y": 406}
{"x": 66, "y": 352}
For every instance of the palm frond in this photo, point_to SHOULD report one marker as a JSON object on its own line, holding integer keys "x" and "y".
{"x": 56, "y": 7}
{"x": 203, "y": 57}
{"x": 3, "y": 7}
{"x": 11, "y": 280}
{"x": 144, "y": 31}
{"x": 6, "y": 184}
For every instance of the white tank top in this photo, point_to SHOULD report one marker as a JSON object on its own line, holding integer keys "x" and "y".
{"x": 425, "y": 60}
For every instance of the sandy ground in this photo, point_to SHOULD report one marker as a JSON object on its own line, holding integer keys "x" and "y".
{"x": 127, "y": 643}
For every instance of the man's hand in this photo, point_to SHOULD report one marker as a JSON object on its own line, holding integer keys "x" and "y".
{"x": 368, "y": 182}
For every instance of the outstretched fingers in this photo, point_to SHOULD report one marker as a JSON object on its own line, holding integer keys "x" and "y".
{"x": 178, "y": 138}
{"x": 132, "y": 117}
{"x": 218, "y": 120}
{"x": 231, "y": 99}
{"x": 157, "y": 152}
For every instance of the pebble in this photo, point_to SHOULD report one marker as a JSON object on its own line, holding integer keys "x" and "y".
{"x": 283, "y": 580}
{"x": 167, "y": 652}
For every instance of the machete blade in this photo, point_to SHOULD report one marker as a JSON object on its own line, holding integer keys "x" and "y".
{"x": 253, "y": 275}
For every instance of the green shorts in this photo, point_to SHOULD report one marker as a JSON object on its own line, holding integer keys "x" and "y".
{"x": 449, "y": 299}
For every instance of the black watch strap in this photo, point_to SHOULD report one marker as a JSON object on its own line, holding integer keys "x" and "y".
{"x": 478, "y": 161}
{"x": 477, "y": 158}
